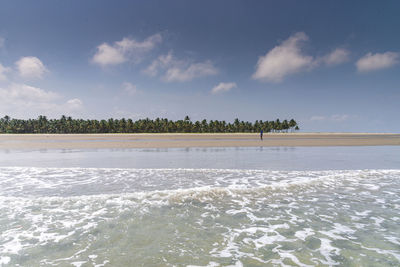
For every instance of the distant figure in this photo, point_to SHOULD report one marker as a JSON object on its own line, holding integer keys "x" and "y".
{"x": 261, "y": 135}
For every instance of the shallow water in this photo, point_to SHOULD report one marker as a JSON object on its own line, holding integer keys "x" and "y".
{"x": 266, "y": 158}
{"x": 161, "y": 215}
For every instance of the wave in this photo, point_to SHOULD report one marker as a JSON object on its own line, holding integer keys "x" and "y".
{"x": 173, "y": 184}
{"x": 246, "y": 217}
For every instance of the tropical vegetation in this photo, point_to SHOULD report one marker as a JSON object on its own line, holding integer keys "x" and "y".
{"x": 159, "y": 125}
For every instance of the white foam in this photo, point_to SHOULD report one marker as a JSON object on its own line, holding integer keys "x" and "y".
{"x": 287, "y": 255}
{"x": 4, "y": 260}
{"x": 326, "y": 251}
{"x": 303, "y": 234}
{"x": 392, "y": 253}
{"x": 78, "y": 263}
{"x": 373, "y": 187}
{"x": 251, "y": 210}
{"x": 210, "y": 264}
{"x": 378, "y": 220}
{"x": 393, "y": 239}
{"x": 338, "y": 231}
{"x": 20, "y": 181}
{"x": 102, "y": 264}
{"x": 363, "y": 213}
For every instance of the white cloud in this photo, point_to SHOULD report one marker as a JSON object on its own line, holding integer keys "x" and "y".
{"x": 30, "y": 67}
{"x": 74, "y": 104}
{"x": 162, "y": 62}
{"x": 338, "y": 117}
{"x": 223, "y": 87}
{"x": 371, "y": 62}
{"x": 124, "y": 50}
{"x": 174, "y": 70}
{"x": 317, "y": 118}
{"x": 27, "y": 94}
{"x": 129, "y": 88}
{"x": 21, "y": 100}
{"x": 194, "y": 70}
{"x": 288, "y": 58}
{"x": 108, "y": 55}
{"x": 335, "y": 117}
{"x": 337, "y": 56}
{"x": 149, "y": 43}
{"x": 3, "y": 70}
{"x": 24, "y": 101}
{"x": 283, "y": 60}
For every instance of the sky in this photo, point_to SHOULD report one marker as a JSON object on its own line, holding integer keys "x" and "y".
{"x": 333, "y": 66}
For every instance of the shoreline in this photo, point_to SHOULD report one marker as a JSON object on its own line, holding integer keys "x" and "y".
{"x": 183, "y": 140}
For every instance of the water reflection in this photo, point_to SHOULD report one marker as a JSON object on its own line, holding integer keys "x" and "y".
{"x": 273, "y": 158}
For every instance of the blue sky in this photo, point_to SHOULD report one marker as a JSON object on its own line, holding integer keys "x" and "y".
{"x": 331, "y": 65}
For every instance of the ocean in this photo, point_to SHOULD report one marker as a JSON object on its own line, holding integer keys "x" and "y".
{"x": 302, "y": 206}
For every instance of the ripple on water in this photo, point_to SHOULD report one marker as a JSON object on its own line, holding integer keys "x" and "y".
{"x": 202, "y": 217}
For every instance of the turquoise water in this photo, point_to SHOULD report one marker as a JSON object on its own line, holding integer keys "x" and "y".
{"x": 201, "y": 207}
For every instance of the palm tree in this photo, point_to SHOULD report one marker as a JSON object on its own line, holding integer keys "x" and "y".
{"x": 292, "y": 124}
{"x": 70, "y": 125}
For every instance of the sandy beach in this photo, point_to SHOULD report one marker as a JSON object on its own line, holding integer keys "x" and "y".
{"x": 97, "y": 141}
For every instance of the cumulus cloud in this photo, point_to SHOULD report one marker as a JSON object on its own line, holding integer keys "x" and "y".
{"x": 26, "y": 93}
{"x": 108, "y": 55}
{"x": 3, "y": 71}
{"x": 30, "y": 67}
{"x": 129, "y": 88}
{"x": 174, "y": 70}
{"x": 124, "y": 50}
{"x": 283, "y": 60}
{"x": 223, "y": 87}
{"x": 371, "y": 62}
{"x": 25, "y": 101}
{"x": 288, "y": 58}
{"x": 21, "y": 100}
{"x": 337, "y": 56}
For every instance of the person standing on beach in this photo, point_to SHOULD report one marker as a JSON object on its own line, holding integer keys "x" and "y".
{"x": 261, "y": 134}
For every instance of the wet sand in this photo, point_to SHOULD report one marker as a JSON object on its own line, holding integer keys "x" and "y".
{"x": 98, "y": 141}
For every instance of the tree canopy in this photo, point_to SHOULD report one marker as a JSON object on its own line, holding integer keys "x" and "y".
{"x": 159, "y": 125}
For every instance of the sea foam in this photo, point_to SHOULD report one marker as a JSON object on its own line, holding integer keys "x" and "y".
{"x": 213, "y": 217}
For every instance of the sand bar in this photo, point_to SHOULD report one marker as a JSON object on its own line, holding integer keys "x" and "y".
{"x": 98, "y": 141}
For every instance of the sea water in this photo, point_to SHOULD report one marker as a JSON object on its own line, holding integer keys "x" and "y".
{"x": 201, "y": 207}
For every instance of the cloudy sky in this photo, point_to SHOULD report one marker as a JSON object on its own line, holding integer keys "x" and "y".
{"x": 331, "y": 65}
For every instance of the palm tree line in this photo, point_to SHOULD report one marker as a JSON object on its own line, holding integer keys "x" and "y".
{"x": 159, "y": 125}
